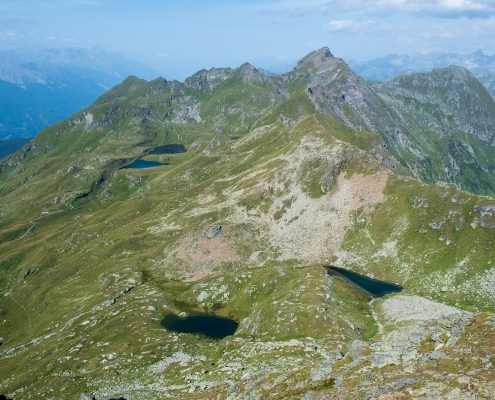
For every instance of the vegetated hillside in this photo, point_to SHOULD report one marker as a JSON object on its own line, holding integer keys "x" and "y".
{"x": 93, "y": 256}
{"x": 43, "y": 86}
{"x": 451, "y": 118}
{"x": 438, "y": 124}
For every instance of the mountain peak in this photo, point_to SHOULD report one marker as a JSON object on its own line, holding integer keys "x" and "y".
{"x": 247, "y": 67}
{"x": 317, "y": 60}
{"x": 250, "y": 73}
{"x": 324, "y": 52}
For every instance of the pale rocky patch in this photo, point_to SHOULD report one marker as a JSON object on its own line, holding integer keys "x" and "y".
{"x": 201, "y": 254}
{"x": 401, "y": 314}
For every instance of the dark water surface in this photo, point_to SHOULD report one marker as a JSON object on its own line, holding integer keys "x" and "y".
{"x": 141, "y": 164}
{"x": 209, "y": 325}
{"x": 169, "y": 149}
{"x": 368, "y": 286}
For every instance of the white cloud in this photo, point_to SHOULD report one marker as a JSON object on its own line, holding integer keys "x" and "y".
{"x": 339, "y": 25}
{"x": 27, "y": 5}
{"x": 447, "y": 35}
{"x": 347, "y": 25}
{"x": 52, "y": 38}
{"x": 8, "y": 34}
{"x": 434, "y": 8}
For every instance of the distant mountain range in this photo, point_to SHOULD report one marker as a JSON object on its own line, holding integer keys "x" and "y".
{"x": 42, "y": 86}
{"x": 383, "y": 68}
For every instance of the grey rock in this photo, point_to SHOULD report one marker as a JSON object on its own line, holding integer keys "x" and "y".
{"x": 213, "y": 231}
{"x": 356, "y": 350}
{"x": 436, "y": 355}
{"x": 208, "y": 80}
{"x": 308, "y": 396}
{"x": 287, "y": 121}
{"x": 25, "y": 274}
{"x": 87, "y": 396}
{"x": 323, "y": 371}
{"x": 339, "y": 381}
{"x": 116, "y": 398}
{"x": 386, "y": 358}
{"x": 125, "y": 291}
{"x": 396, "y": 386}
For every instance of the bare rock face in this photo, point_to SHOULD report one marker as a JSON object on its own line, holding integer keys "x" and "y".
{"x": 252, "y": 74}
{"x": 319, "y": 60}
{"x": 357, "y": 348}
{"x": 208, "y": 79}
{"x": 350, "y": 99}
{"x": 87, "y": 396}
{"x": 213, "y": 231}
{"x": 318, "y": 67}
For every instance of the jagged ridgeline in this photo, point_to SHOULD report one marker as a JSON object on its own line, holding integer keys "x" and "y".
{"x": 263, "y": 180}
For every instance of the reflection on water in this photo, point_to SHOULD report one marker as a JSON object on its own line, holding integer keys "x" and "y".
{"x": 368, "y": 286}
{"x": 209, "y": 325}
{"x": 141, "y": 164}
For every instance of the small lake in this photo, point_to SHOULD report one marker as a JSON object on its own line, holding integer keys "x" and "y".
{"x": 209, "y": 325}
{"x": 141, "y": 164}
{"x": 368, "y": 286}
{"x": 169, "y": 149}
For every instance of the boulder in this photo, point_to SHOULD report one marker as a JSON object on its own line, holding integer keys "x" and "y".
{"x": 213, "y": 231}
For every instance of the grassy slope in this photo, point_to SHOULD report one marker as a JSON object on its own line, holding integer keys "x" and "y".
{"x": 87, "y": 252}
{"x": 468, "y": 158}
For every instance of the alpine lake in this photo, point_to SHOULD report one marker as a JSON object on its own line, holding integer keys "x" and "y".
{"x": 210, "y": 326}
{"x": 165, "y": 149}
{"x": 370, "y": 287}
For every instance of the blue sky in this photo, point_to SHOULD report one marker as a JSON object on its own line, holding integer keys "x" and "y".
{"x": 177, "y": 38}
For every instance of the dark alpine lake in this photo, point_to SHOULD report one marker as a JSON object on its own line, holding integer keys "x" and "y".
{"x": 209, "y": 325}
{"x": 141, "y": 164}
{"x": 169, "y": 149}
{"x": 370, "y": 287}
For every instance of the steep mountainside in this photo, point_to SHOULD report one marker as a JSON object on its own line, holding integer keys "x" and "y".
{"x": 41, "y": 87}
{"x": 439, "y": 124}
{"x": 451, "y": 118}
{"x": 271, "y": 187}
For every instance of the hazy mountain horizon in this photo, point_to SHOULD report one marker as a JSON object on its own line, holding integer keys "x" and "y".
{"x": 41, "y": 86}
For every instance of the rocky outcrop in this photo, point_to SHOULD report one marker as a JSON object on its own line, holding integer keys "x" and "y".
{"x": 208, "y": 79}
{"x": 213, "y": 231}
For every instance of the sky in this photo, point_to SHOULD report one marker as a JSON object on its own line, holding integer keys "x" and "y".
{"x": 177, "y": 38}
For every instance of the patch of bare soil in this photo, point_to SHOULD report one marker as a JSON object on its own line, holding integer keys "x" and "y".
{"x": 200, "y": 254}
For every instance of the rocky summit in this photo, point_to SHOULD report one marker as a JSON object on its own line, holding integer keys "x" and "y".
{"x": 262, "y": 181}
